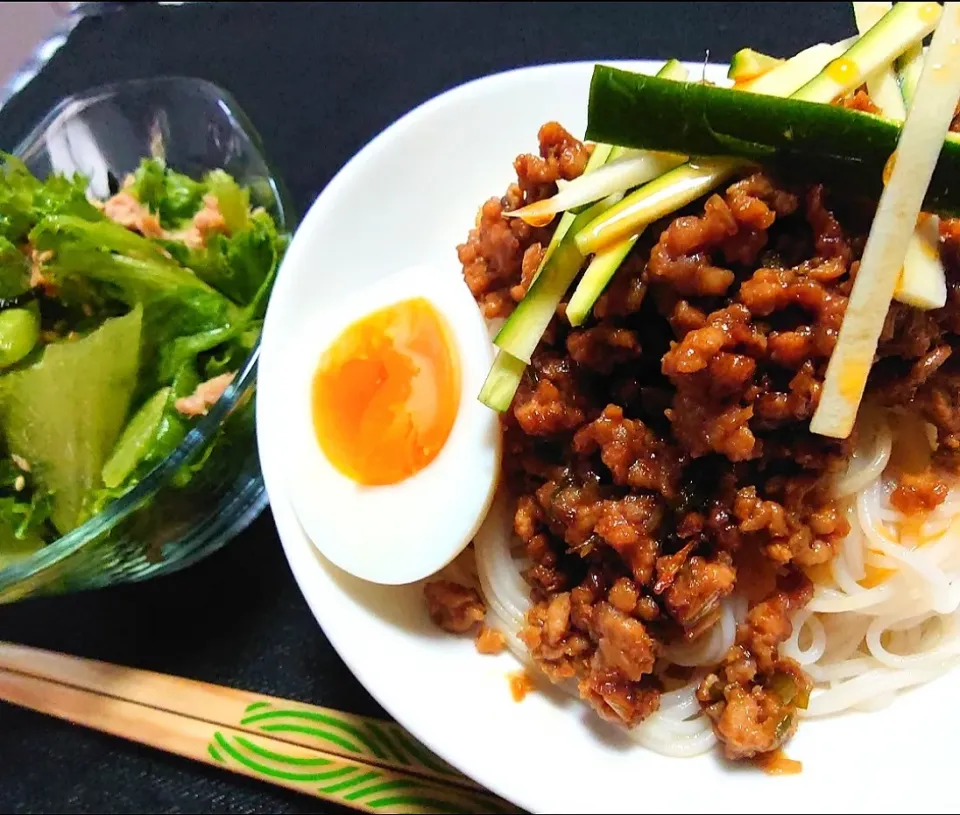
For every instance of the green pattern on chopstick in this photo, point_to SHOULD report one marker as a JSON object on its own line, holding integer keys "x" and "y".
{"x": 396, "y": 753}
{"x": 265, "y": 769}
{"x": 374, "y": 789}
{"x": 321, "y": 719}
{"x": 321, "y": 735}
{"x": 361, "y": 737}
{"x": 351, "y": 782}
{"x": 421, "y": 755}
{"x": 263, "y": 752}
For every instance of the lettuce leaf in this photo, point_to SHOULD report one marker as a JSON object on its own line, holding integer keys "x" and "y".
{"x": 25, "y": 200}
{"x": 63, "y": 414}
{"x": 174, "y": 197}
{"x": 193, "y": 312}
{"x": 240, "y": 263}
{"x": 182, "y": 315}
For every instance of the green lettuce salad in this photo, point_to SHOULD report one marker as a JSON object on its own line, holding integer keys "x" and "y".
{"x": 121, "y": 323}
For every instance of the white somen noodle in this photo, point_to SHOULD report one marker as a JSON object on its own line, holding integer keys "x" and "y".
{"x": 884, "y": 616}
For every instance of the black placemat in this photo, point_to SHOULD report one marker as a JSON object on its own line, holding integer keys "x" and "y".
{"x": 318, "y": 80}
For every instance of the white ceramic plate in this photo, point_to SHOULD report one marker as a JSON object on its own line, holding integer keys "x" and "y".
{"x": 408, "y": 197}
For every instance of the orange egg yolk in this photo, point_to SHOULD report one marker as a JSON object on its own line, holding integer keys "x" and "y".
{"x": 386, "y": 393}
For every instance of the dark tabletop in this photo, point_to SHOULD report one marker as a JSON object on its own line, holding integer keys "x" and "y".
{"x": 319, "y": 80}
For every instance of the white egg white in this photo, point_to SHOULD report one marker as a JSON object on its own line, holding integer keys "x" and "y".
{"x": 403, "y": 532}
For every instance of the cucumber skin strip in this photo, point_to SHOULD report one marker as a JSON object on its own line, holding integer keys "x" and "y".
{"x": 595, "y": 279}
{"x": 502, "y": 382}
{"x": 699, "y": 120}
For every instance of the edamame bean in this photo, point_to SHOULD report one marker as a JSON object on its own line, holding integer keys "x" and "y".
{"x": 19, "y": 332}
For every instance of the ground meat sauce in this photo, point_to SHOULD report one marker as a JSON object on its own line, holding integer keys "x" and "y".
{"x": 454, "y": 608}
{"x": 917, "y": 493}
{"x": 501, "y": 255}
{"x": 520, "y": 685}
{"x": 489, "y": 640}
{"x": 660, "y": 455}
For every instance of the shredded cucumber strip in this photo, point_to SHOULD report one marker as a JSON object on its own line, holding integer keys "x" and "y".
{"x": 521, "y": 333}
{"x": 921, "y": 141}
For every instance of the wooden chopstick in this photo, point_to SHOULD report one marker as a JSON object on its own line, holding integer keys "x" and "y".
{"x": 364, "y": 763}
{"x": 357, "y": 737}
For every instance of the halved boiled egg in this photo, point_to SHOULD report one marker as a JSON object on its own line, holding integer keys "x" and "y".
{"x": 394, "y": 461}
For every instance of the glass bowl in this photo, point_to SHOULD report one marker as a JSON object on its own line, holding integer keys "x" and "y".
{"x": 159, "y": 526}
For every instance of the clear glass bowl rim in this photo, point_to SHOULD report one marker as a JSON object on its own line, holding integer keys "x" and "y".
{"x": 206, "y": 428}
